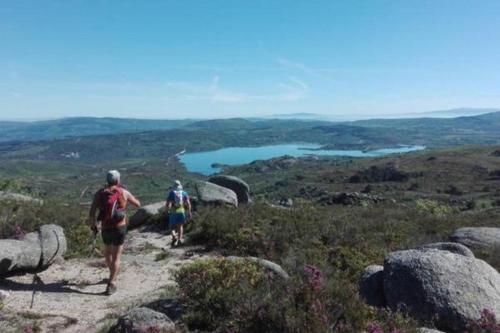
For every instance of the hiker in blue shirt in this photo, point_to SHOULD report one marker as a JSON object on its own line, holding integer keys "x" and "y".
{"x": 177, "y": 202}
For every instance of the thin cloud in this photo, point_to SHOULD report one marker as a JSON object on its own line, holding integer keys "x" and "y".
{"x": 298, "y": 66}
{"x": 293, "y": 90}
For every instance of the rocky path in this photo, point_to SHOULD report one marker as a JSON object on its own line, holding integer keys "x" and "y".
{"x": 69, "y": 296}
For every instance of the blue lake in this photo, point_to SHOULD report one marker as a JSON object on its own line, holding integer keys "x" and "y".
{"x": 202, "y": 162}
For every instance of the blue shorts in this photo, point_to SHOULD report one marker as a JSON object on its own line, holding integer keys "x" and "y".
{"x": 176, "y": 218}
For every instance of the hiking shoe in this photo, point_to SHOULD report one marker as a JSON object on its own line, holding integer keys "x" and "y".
{"x": 110, "y": 289}
{"x": 181, "y": 241}
{"x": 174, "y": 242}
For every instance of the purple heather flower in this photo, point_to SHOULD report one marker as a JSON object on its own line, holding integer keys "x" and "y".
{"x": 18, "y": 232}
{"x": 314, "y": 277}
{"x": 374, "y": 328}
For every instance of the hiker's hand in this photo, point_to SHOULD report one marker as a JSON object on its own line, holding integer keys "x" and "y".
{"x": 94, "y": 229}
{"x": 190, "y": 216}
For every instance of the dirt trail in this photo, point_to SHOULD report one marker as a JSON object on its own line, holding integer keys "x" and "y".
{"x": 69, "y": 297}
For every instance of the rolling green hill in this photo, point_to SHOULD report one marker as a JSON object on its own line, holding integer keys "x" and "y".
{"x": 79, "y": 126}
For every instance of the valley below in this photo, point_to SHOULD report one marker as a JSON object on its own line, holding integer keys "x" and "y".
{"x": 322, "y": 219}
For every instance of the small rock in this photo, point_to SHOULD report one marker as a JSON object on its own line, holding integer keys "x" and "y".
{"x": 143, "y": 319}
{"x": 3, "y": 295}
{"x": 286, "y": 202}
{"x": 428, "y": 330}
{"x": 172, "y": 308}
{"x": 275, "y": 268}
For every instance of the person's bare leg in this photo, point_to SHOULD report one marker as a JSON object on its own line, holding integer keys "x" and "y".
{"x": 115, "y": 264}
{"x": 181, "y": 232}
{"x": 108, "y": 256}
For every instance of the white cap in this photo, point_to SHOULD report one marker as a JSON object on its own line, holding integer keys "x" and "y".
{"x": 177, "y": 184}
{"x": 113, "y": 177}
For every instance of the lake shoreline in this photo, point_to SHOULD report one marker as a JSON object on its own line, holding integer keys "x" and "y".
{"x": 208, "y": 162}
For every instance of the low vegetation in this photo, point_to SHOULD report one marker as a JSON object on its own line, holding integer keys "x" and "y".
{"x": 313, "y": 242}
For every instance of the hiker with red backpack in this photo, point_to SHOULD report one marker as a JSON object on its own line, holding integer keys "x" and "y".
{"x": 177, "y": 202}
{"x": 112, "y": 202}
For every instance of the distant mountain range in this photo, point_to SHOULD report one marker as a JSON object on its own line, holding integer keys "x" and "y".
{"x": 88, "y": 126}
{"x": 146, "y": 138}
{"x": 80, "y": 126}
{"x": 451, "y": 113}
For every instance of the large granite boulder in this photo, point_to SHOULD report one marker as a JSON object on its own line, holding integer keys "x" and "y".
{"x": 449, "y": 246}
{"x": 18, "y": 256}
{"x": 432, "y": 284}
{"x": 371, "y": 285}
{"x": 481, "y": 238}
{"x": 209, "y": 193}
{"x": 34, "y": 253}
{"x": 146, "y": 213}
{"x": 239, "y": 187}
{"x": 52, "y": 243}
{"x": 141, "y": 320}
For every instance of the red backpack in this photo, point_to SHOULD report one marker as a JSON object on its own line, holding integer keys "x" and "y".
{"x": 111, "y": 210}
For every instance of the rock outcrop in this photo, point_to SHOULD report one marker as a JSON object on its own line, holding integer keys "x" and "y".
{"x": 34, "y": 253}
{"x": 371, "y": 285}
{"x": 146, "y": 213}
{"x": 375, "y": 174}
{"x": 239, "y": 187}
{"x": 269, "y": 265}
{"x": 349, "y": 198}
{"x": 480, "y": 238}
{"x": 286, "y": 202}
{"x": 209, "y": 193}
{"x": 432, "y": 284}
{"x": 19, "y": 199}
{"x": 143, "y": 319}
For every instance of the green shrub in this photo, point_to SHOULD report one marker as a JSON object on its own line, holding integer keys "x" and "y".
{"x": 13, "y": 185}
{"x": 239, "y": 296}
{"x": 215, "y": 291}
{"x": 433, "y": 207}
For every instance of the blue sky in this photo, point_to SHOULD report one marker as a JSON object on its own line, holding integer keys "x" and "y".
{"x": 210, "y": 58}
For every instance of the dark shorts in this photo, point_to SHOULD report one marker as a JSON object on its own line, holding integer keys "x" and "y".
{"x": 176, "y": 218}
{"x": 114, "y": 236}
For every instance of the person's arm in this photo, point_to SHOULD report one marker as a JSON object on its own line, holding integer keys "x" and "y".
{"x": 168, "y": 202}
{"x": 188, "y": 204}
{"x": 92, "y": 223}
{"x": 130, "y": 198}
